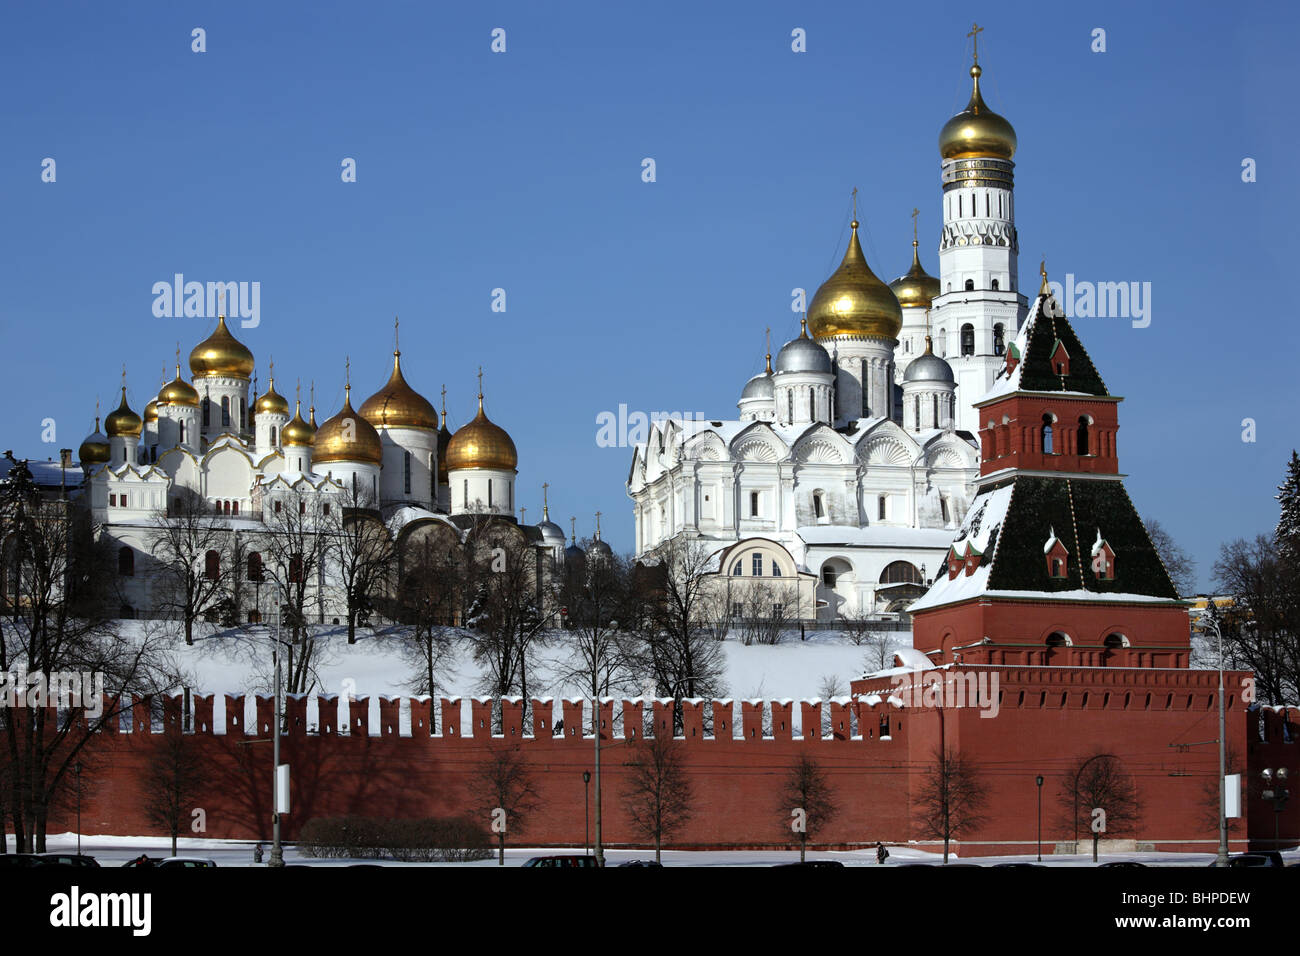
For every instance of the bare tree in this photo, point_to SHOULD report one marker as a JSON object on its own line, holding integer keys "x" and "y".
{"x": 674, "y": 647}
{"x": 54, "y": 598}
{"x": 295, "y": 553}
{"x": 361, "y": 556}
{"x": 1180, "y": 565}
{"x": 595, "y": 592}
{"x": 175, "y": 776}
{"x": 193, "y": 567}
{"x": 428, "y": 603}
{"x": 504, "y": 794}
{"x": 657, "y": 795}
{"x": 1259, "y": 632}
{"x": 807, "y": 800}
{"x": 951, "y": 798}
{"x": 767, "y": 610}
{"x": 1100, "y": 781}
{"x": 864, "y": 631}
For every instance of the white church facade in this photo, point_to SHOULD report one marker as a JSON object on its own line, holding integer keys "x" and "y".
{"x": 854, "y": 453}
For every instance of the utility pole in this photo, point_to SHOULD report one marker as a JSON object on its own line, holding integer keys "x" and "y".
{"x": 277, "y": 852}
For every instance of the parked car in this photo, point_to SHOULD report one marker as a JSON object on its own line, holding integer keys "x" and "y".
{"x": 1257, "y": 858}
{"x": 17, "y": 860}
{"x": 1123, "y": 865}
{"x": 641, "y": 863}
{"x": 68, "y": 859}
{"x": 143, "y": 860}
{"x": 562, "y": 861}
{"x": 186, "y": 861}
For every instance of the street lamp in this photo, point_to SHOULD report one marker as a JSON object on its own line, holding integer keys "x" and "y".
{"x": 586, "y": 813}
{"x": 1205, "y": 621}
{"x": 1039, "y": 781}
{"x": 77, "y": 771}
{"x": 1275, "y": 780}
{"x": 277, "y": 851}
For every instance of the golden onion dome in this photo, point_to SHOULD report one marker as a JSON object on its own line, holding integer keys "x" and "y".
{"x": 151, "y": 411}
{"x": 122, "y": 422}
{"x": 916, "y": 289}
{"x": 297, "y": 432}
{"x": 853, "y": 301}
{"x": 977, "y": 130}
{"x": 179, "y": 392}
{"x": 95, "y": 450}
{"x": 221, "y": 354}
{"x": 347, "y": 437}
{"x": 481, "y": 444}
{"x": 397, "y": 405}
{"x": 271, "y": 402}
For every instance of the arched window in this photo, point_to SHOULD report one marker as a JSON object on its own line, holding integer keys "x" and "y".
{"x": 225, "y": 409}
{"x": 207, "y": 411}
{"x": 968, "y": 339}
{"x": 254, "y": 566}
{"x": 829, "y": 576}
{"x": 212, "y": 565}
{"x": 1057, "y": 639}
{"x": 1083, "y": 435}
{"x": 757, "y": 564}
{"x": 901, "y": 572}
{"x": 999, "y": 334}
{"x": 234, "y": 507}
{"x": 995, "y": 285}
{"x": 880, "y": 507}
{"x": 295, "y": 569}
{"x": 735, "y": 569}
{"x": 465, "y": 494}
{"x": 126, "y": 562}
{"x": 818, "y": 510}
{"x": 243, "y": 415}
{"x": 272, "y": 436}
{"x": 1047, "y": 435}
{"x": 406, "y": 471}
{"x": 789, "y": 405}
{"x": 1115, "y": 640}
{"x": 970, "y": 285}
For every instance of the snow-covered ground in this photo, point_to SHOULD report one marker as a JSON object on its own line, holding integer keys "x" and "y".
{"x": 239, "y": 662}
{"x": 114, "y": 851}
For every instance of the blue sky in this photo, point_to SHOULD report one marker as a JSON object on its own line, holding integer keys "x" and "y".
{"x": 522, "y": 171}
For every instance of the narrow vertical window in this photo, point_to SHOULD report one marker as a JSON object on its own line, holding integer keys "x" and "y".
{"x": 880, "y": 507}
{"x": 406, "y": 471}
{"x": 225, "y": 409}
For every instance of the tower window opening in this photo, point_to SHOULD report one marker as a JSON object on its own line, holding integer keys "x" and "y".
{"x": 970, "y": 285}
{"x": 812, "y": 402}
{"x": 999, "y": 333}
{"x": 1082, "y": 439}
{"x": 753, "y": 504}
{"x": 880, "y": 507}
{"x": 207, "y": 412}
{"x": 225, "y": 409}
{"x": 994, "y": 283}
{"x": 1047, "y": 435}
{"x": 968, "y": 335}
{"x": 406, "y": 471}
{"x": 818, "y": 510}
{"x": 272, "y": 436}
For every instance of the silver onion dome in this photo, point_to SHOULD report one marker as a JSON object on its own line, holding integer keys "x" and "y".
{"x": 929, "y": 368}
{"x": 760, "y": 386}
{"x": 803, "y": 355}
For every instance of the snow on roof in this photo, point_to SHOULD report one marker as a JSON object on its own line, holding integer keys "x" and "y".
{"x": 1052, "y": 541}
{"x": 878, "y": 536}
{"x": 985, "y": 516}
{"x": 913, "y": 659}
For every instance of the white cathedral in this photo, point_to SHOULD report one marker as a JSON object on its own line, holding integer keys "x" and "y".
{"x": 246, "y": 458}
{"x": 853, "y": 457}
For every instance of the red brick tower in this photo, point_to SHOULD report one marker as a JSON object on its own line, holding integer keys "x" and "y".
{"x": 1052, "y": 564}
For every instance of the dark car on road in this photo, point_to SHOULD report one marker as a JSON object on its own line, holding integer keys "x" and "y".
{"x": 562, "y": 861}
{"x": 68, "y": 859}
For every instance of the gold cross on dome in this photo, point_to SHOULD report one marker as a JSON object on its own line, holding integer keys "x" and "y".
{"x": 480, "y": 381}
{"x": 396, "y": 347}
{"x": 975, "y": 31}
{"x": 915, "y": 212}
{"x": 855, "y": 203}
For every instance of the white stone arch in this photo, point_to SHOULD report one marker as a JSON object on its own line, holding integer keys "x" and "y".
{"x": 758, "y": 443}
{"x": 707, "y": 446}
